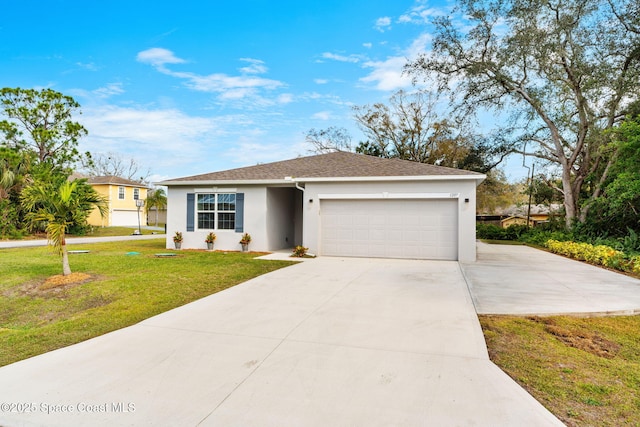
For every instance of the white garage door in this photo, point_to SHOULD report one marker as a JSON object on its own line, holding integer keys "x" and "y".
{"x": 416, "y": 229}
{"x": 124, "y": 218}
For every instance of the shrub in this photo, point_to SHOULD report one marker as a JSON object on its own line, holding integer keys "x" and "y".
{"x": 490, "y": 232}
{"x": 300, "y": 251}
{"x": 599, "y": 254}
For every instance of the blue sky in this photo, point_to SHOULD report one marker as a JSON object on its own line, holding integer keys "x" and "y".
{"x": 196, "y": 86}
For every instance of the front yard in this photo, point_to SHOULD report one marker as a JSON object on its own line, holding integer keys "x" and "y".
{"x": 584, "y": 370}
{"x": 126, "y": 283}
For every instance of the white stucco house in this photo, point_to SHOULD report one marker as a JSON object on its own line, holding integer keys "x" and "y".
{"x": 336, "y": 204}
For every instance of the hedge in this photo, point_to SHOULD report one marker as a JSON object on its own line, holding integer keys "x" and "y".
{"x": 595, "y": 254}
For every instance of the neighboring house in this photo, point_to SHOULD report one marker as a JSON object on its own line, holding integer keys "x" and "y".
{"x": 538, "y": 214}
{"x": 522, "y": 220}
{"x": 122, "y": 195}
{"x": 336, "y": 204}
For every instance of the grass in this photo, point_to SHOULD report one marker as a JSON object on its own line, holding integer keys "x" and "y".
{"x": 121, "y": 290}
{"x": 502, "y": 242}
{"x": 584, "y": 370}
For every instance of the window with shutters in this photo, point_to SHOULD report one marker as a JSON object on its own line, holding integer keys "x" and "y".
{"x": 216, "y": 211}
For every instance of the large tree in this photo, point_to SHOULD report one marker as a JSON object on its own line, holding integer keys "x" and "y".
{"x": 41, "y": 122}
{"x": 114, "y": 164}
{"x": 567, "y": 69}
{"x": 408, "y": 127}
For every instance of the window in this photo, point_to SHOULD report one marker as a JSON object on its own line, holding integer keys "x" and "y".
{"x": 136, "y": 193}
{"x": 216, "y": 211}
{"x": 121, "y": 193}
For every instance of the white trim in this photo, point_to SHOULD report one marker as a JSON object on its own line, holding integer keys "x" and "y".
{"x": 474, "y": 177}
{"x": 214, "y": 190}
{"x": 386, "y": 195}
{"x": 223, "y": 182}
{"x": 284, "y": 180}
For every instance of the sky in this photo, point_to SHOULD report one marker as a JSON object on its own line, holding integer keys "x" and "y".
{"x": 191, "y": 87}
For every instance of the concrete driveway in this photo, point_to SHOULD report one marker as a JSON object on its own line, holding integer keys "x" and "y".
{"x": 520, "y": 280}
{"x": 340, "y": 342}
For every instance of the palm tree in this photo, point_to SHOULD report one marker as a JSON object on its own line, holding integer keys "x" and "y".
{"x": 158, "y": 199}
{"x": 70, "y": 203}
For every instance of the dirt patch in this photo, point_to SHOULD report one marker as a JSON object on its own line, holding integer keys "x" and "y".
{"x": 54, "y": 286}
{"x": 60, "y": 280}
{"x": 584, "y": 340}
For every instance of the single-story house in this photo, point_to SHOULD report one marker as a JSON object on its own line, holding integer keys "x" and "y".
{"x": 534, "y": 219}
{"x": 335, "y": 204}
{"x": 123, "y": 196}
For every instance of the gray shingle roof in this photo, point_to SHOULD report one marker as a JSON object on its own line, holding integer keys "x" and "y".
{"x": 332, "y": 165}
{"x": 116, "y": 180}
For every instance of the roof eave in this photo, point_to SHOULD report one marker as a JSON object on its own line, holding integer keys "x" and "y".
{"x": 290, "y": 180}
{"x": 224, "y": 182}
{"x": 473, "y": 177}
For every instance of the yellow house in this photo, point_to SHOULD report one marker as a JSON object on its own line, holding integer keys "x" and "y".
{"x": 534, "y": 219}
{"x": 123, "y": 197}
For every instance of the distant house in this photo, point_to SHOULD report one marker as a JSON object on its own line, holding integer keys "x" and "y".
{"x": 534, "y": 219}
{"x": 122, "y": 195}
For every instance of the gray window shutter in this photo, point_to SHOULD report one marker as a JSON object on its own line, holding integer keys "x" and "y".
{"x": 191, "y": 211}
{"x": 239, "y": 212}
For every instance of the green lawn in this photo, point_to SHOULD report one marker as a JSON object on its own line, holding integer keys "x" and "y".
{"x": 123, "y": 290}
{"x": 584, "y": 370}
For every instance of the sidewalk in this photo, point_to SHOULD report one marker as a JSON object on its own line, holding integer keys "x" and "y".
{"x": 77, "y": 240}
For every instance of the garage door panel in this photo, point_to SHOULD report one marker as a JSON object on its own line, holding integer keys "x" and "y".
{"x": 423, "y": 229}
{"x": 124, "y": 218}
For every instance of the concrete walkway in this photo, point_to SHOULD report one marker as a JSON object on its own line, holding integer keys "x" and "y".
{"x": 520, "y": 280}
{"x": 329, "y": 342}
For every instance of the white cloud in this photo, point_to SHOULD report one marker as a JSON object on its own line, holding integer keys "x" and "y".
{"x": 422, "y": 14}
{"x": 321, "y": 81}
{"x": 285, "y": 98}
{"x": 367, "y": 45}
{"x": 382, "y": 24}
{"x": 388, "y": 74}
{"x": 228, "y": 87}
{"x": 88, "y": 66}
{"x": 256, "y": 66}
{"x": 158, "y": 57}
{"x": 342, "y": 58}
{"x": 158, "y": 138}
{"x": 322, "y": 115}
{"x": 109, "y": 90}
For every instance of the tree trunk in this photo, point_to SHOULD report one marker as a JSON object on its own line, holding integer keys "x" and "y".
{"x": 66, "y": 269}
{"x": 570, "y": 205}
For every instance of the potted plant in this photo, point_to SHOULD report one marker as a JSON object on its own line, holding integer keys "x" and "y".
{"x": 177, "y": 240}
{"x": 210, "y": 239}
{"x": 244, "y": 241}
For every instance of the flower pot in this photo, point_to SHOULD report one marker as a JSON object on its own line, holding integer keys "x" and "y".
{"x": 209, "y": 246}
{"x": 245, "y": 247}
{"x": 178, "y": 245}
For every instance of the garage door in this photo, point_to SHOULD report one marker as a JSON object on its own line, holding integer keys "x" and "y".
{"x": 416, "y": 229}
{"x": 124, "y": 218}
